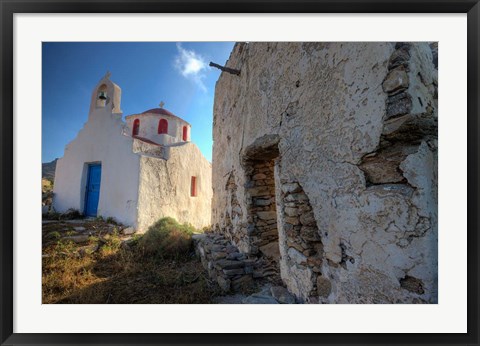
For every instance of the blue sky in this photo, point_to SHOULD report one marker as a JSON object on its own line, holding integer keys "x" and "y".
{"x": 148, "y": 73}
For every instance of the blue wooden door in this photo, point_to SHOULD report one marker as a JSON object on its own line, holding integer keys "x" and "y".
{"x": 93, "y": 189}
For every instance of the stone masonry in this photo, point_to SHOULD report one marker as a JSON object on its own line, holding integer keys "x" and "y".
{"x": 232, "y": 270}
{"x": 325, "y": 169}
{"x": 261, "y": 208}
{"x": 304, "y": 248}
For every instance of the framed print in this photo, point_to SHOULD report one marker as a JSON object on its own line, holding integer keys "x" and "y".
{"x": 239, "y": 173}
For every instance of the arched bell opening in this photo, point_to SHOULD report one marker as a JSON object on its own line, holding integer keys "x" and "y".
{"x": 102, "y": 97}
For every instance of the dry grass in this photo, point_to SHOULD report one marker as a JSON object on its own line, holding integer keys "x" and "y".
{"x": 105, "y": 271}
{"x": 47, "y": 185}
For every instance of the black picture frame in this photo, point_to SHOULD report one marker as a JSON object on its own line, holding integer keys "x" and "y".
{"x": 9, "y": 7}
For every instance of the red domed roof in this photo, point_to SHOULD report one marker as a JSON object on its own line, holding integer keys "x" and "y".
{"x": 159, "y": 111}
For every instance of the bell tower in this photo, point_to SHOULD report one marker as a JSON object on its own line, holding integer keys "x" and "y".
{"x": 106, "y": 97}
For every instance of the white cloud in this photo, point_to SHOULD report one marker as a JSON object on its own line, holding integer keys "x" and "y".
{"x": 191, "y": 65}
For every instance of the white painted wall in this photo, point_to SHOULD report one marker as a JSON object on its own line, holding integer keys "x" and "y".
{"x": 136, "y": 188}
{"x": 165, "y": 188}
{"x": 101, "y": 140}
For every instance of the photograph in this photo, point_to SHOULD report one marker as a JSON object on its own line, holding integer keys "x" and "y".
{"x": 239, "y": 172}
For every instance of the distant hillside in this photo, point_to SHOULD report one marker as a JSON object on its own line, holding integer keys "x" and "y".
{"x": 48, "y": 170}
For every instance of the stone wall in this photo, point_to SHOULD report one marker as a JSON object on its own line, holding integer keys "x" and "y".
{"x": 232, "y": 270}
{"x": 301, "y": 246}
{"x": 350, "y": 129}
{"x": 262, "y": 214}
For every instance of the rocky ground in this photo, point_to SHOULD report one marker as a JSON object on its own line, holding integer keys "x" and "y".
{"x": 249, "y": 277}
{"x": 267, "y": 294}
{"x": 82, "y": 231}
{"x": 95, "y": 261}
{"x": 91, "y": 261}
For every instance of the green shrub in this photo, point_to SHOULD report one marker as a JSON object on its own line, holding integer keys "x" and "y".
{"x": 54, "y": 235}
{"x": 52, "y": 215}
{"x": 134, "y": 241}
{"x": 111, "y": 220}
{"x": 71, "y": 214}
{"x": 167, "y": 238}
{"x": 114, "y": 241}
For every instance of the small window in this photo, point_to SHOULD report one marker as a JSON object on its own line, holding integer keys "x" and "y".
{"x": 185, "y": 132}
{"x": 162, "y": 126}
{"x": 193, "y": 187}
{"x": 136, "y": 127}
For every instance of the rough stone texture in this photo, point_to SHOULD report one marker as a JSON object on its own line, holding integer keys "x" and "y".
{"x": 128, "y": 230}
{"x": 434, "y": 47}
{"x": 324, "y": 287}
{"x": 319, "y": 114}
{"x": 267, "y": 295}
{"x": 399, "y": 104}
{"x": 412, "y": 284}
{"x": 282, "y": 295}
{"x": 231, "y": 274}
{"x": 271, "y": 250}
{"x": 262, "y": 216}
{"x": 382, "y": 167}
{"x": 397, "y": 79}
{"x": 259, "y": 299}
{"x": 419, "y": 84}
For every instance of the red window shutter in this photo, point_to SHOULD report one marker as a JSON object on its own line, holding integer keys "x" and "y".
{"x": 185, "y": 133}
{"x": 162, "y": 126}
{"x": 136, "y": 127}
{"x": 193, "y": 187}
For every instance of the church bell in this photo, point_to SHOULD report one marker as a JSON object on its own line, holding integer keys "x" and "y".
{"x": 102, "y": 95}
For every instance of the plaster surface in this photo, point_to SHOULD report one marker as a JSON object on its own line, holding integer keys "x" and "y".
{"x": 143, "y": 179}
{"x": 149, "y": 128}
{"x": 101, "y": 140}
{"x": 172, "y": 197}
{"x": 356, "y": 135}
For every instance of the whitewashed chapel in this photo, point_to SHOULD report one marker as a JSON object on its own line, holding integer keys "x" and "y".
{"x": 135, "y": 171}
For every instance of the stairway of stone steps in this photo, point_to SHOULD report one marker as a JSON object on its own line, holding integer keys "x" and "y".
{"x": 236, "y": 273}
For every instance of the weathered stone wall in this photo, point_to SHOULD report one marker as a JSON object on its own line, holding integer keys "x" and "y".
{"x": 232, "y": 270}
{"x": 262, "y": 214}
{"x": 164, "y": 188}
{"x": 351, "y": 129}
